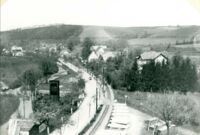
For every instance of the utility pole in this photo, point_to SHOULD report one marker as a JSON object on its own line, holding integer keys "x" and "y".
{"x": 96, "y": 99}
{"x": 24, "y": 106}
{"x": 103, "y": 81}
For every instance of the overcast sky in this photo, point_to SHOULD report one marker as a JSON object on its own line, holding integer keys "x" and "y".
{"x": 27, "y": 13}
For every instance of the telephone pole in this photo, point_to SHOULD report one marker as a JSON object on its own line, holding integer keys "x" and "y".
{"x": 96, "y": 99}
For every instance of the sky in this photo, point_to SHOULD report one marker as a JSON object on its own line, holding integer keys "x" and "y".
{"x": 124, "y": 13}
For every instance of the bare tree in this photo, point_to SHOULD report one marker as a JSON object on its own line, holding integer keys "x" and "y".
{"x": 166, "y": 108}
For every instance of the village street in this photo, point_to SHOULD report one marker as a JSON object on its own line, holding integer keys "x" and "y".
{"x": 87, "y": 109}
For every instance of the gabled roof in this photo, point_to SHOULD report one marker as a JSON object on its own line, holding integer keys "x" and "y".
{"x": 107, "y": 55}
{"x": 151, "y": 55}
{"x": 97, "y": 47}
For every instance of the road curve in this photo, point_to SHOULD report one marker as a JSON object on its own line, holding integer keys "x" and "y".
{"x": 103, "y": 117}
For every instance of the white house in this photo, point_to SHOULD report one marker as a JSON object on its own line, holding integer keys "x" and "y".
{"x": 100, "y": 51}
{"x": 108, "y": 54}
{"x": 147, "y": 57}
{"x": 97, "y": 51}
{"x": 17, "y": 51}
{"x": 93, "y": 56}
{"x": 5, "y": 51}
{"x": 64, "y": 53}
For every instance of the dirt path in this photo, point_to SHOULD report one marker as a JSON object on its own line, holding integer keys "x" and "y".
{"x": 137, "y": 119}
{"x": 96, "y": 33}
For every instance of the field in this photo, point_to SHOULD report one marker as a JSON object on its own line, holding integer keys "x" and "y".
{"x": 146, "y": 101}
{"x": 12, "y": 67}
{"x": 8, "y": 105}
{"x": 179, "y": 32}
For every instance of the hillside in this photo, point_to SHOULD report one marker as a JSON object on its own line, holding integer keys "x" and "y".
{"x": 96, "y": 33}
{"x": 47, "y": 32}
{"x": 154, "y": 32}
{"x": 145, "y": 37}
{"x": 32, "y": 37}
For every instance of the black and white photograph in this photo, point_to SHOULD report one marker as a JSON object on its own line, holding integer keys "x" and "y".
{"x": 99, "y": 67}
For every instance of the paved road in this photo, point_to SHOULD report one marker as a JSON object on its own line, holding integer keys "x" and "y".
{"x": 86, "y": 111}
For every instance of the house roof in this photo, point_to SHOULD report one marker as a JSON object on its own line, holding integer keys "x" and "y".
{"x": 109, "y": 54}
{"x": 151, "y": 55}
{"x": 97, "y": 47}
{"x": 16, "y": 48}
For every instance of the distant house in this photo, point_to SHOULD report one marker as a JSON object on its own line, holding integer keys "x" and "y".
{"x": 198, "y": 70}
{"x": 101, "y": 52}
{"x": 17, "y": 51}
{"x": 97, "y": 51}
{"x": 64, "y": 53}
{"x": 5, "y": 51}
{"x": 108, "y": 54}
{"x": 146, "y": 57}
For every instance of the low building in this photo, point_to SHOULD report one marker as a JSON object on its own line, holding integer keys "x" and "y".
{"x": 5, "y": 52}
{"x": 65, "y": 53}
{"x": 97, "y": 51}
{"x": 17, "y": 51}
{"x": 146, "y": 57}
{"x": 107, "y": 55}
{"x": 101, "y": 52}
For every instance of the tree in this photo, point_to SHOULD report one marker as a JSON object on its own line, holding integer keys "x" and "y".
{"x": 133, "y": 77}
{"x": 1, "y": 49}
{"x": 166, "y": 108}
{"x": 72, "y": 42}
{"x": 81, "y": 83}
{"x": 87, "y": 44}
{"x": 48, "y": 66}
{"x": 46, "y": 108}
{"x": 30, "y": 79}
{"x": 148, "y": 76}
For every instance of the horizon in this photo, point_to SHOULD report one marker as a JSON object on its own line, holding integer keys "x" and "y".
{"x": 52, "y": 25}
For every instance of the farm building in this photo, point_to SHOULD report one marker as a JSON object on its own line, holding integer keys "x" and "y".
{"x": 17, "y": 51}
{"x": 146, "y": 57}
{"x": 100, "y": 52}
{"x": 97, "y": 51}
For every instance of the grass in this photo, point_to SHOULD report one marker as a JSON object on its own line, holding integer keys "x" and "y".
{"x": 146, "y": 101}
{"x": 8, "y": 105}
{"x": 12, "y": 67}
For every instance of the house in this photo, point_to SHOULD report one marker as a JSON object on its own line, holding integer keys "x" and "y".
{"x": 108, "y": 54}
{"x": 27, "y": 127}
{"x": 17, "y": 51}
{"x": 64, "y": 53}
{"x": 93, "y": 56}
{"x": 5, "y": 51}
{"x": 146, "y": 57}
{"x": 97, "y": 51}
{"x": 101, "y": 52}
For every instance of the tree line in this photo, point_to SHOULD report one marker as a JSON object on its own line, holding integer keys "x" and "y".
{"x": 121, "y": 72}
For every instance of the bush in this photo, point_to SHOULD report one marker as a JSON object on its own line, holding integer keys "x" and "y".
{"x": 17, "y": 83}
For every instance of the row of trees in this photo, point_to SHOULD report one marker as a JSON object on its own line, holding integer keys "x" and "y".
{"x": 122, "y": 72}
{"x": 178, "y": 75}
